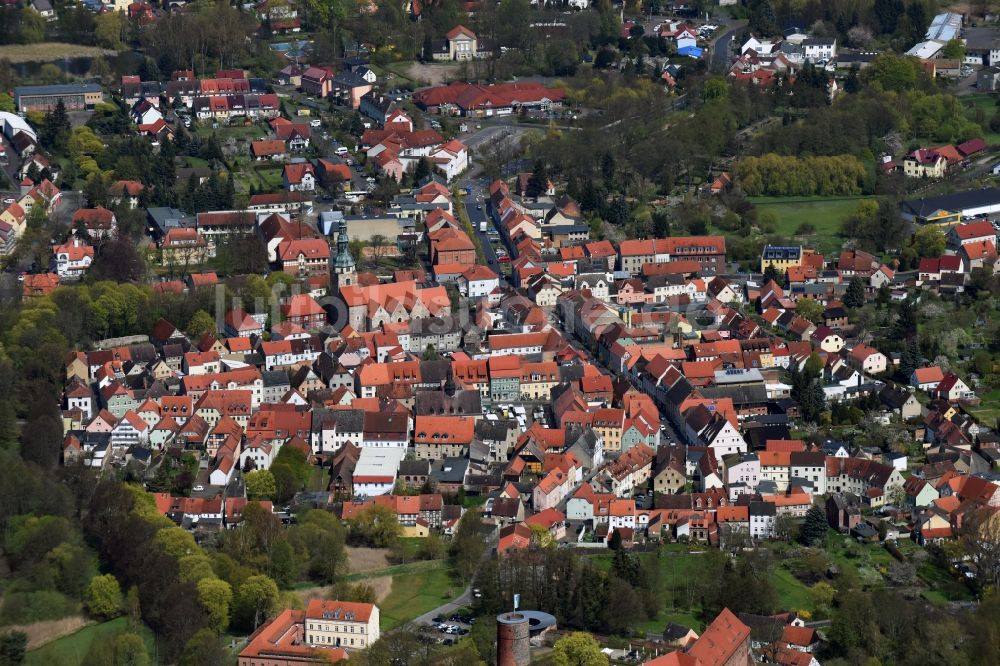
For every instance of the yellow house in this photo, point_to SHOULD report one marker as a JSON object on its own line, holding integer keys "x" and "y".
{"x": 15, "y": 216}
{"x": 780, "y": 257}
{"x": 925, "y": 163}
{"x": 343, "y": 624}
{"x": 419, "y": 530}
{"x": 538, "y": 380}
{"x": 609, "y": 423}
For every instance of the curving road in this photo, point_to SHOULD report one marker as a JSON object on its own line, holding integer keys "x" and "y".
{"x": 722, "y": 48}
{"x": 463, "y": 600}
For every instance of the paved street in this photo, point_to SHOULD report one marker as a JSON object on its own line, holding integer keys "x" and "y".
{"x": 477, "y": 214}
{"x": 461, "y": 601}
{"x": 722, "y": 48}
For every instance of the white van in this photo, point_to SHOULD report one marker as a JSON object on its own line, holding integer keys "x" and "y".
{"x": 341, "y": 151}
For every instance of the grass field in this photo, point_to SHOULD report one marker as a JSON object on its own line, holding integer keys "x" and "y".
{"x": 416, "y": 592}
{"x": 319, "y": 479}
{"x": 825, "y": 214}
{"x": 677, "y": 566}
{"x": 989, "y": 410}
{"x": 988, "y": 105}
{"x": 70, "y": 650}
{"x": 49, "y": 52}
{"x": 792, "y": 594}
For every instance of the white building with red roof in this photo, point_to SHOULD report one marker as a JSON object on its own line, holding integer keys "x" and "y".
{"x": 977, "y": 231}
{"x": 72, "y": 259}
{"x": 478, "y": 281}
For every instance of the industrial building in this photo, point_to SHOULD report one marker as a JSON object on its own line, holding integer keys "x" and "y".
{"x": 74, "y": 96}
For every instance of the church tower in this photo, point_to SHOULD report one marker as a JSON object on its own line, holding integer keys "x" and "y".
{"x": 344, "y": 273}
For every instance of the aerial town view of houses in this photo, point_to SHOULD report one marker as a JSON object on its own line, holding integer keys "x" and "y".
{"x": 499, "y": 332}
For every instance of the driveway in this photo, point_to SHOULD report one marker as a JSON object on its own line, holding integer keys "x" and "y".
{"x": 462, "y": 601}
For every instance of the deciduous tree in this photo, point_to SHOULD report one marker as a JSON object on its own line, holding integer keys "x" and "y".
{"x": 578, "y": 649}
{"x": 104, "y": 597}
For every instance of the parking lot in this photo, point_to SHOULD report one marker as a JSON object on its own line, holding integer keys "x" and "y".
{"x": 447, "y": 630}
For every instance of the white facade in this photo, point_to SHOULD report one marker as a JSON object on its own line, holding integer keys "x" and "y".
{"x": 727, "y": 440}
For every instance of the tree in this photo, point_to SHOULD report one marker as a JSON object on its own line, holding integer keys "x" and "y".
{"x": 822, "y": 594}
{"x": 133, "y": 608}
{"x": 201, "y": 323}
{"x": 260, "y": 485}
{"x": 13, "y": 647}
{"x": 256, "y": 600}
{"x": 422, "y": 170}
{"x": 56, "y": 128}
{"x": 204, "y": 649}
{"x": 118, "y": 260}
{"x": 605, "y": 58}
{"x": 108, "y": 30}
{"x": 980, "y": 536}
{"x": 615, "y": 542}
{"x": 104, "y": 597}
{"x": 216, "y": 596}
{"x": 810, "y": 308}
{"x": 538, "y": 183}
{"x": 541, "y": 537}
{"x": 176, "y": 542}
{"x": 376, "y": 525}
{"x": 813, "y": 530}
{"x": 130, "y": 650}
{"x": 953, "y": 50}
{"x": 578, "y": 649}
{"x": 282, "y": 565}
{"x": 929, "y": 241}
{"x": 467, "y": 546}
{"x": 855, "y": 623}
{"x": 6, "y": 103}
{"x": 32, "y": 27}
{"x": 854, "y": 297}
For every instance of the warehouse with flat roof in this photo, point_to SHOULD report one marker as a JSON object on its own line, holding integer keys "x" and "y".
{"x": 951, "y": 209}
{"x": 74, "y": 96}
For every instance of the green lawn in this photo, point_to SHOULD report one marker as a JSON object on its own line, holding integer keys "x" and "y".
{"x": 319, "y": 479}
{"x": 825, "y": 214}
{"x": 989, "y": 411}
{"x": 417, "y": 592}
{"x": 252, "y": 132}
{"x": 792, "y": 593}
{"x": 677, "y": 566}
{"x": 410, "y": 568}
{"x": 987, "y": 103}
{"x": 70, "y": 650}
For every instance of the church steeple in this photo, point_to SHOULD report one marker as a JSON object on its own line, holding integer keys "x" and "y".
{"x": 344, "y": 273}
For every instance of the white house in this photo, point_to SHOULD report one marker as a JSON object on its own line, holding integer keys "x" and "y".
{"x": 223, "y": 471}
{"x": 72, "y": 259}
{"x": 299, "y": 177}
{"x": 761, "y": 47}
{"x": 722, "y": 438}
{"x": 375, "y": 472}
{"x": 452, "y": 158}
{"x": 259, "y": 452}
{"x": 810, "y": 466}
{"x": 742, "y": 474}
{"x": 478, "y": 282}
{"x": 926, "y": 379}
{"x": 145, "y": 113}
{"x": 762, "y": 517}
{"x": 868, "y": 359}
{"x": 129, "y": 430}
{"x": 953, "y": 388}
{"x": 816, "y": 49}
